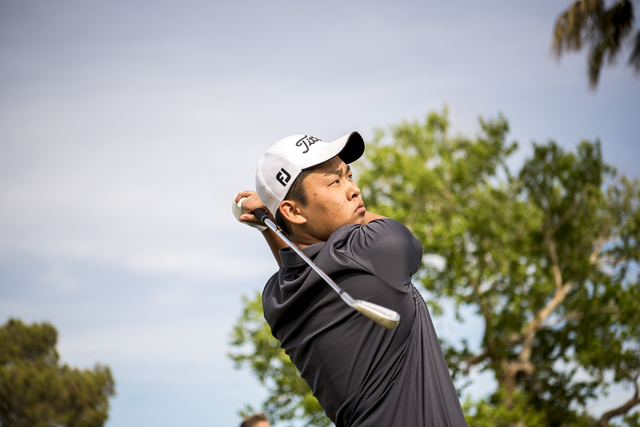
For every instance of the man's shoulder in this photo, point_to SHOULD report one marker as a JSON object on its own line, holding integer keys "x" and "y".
{"x": 381, "y": 245}
{"x": 379, "y": 230}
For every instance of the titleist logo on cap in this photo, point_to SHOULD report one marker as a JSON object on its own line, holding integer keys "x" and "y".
{"x": 306, "y": 141}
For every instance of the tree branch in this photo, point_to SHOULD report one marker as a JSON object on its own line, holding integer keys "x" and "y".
{"x": 474, "y": 360}
{"x": 570, "y": 316}
{"x": 557, "y": 273}
{"x": 622, "y": 409}
{"x": 562, "y": 289}
{"x": 539, "y": 319}
{"x": 574, "y": 315}
{"x": 486, "y": 314}
{"x": 567, "y": 214}
{"x": 593, "y": 258}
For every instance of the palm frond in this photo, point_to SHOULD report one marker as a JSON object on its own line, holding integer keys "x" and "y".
{"x": 634, "y": 59}
{"x": 602, "y": 29}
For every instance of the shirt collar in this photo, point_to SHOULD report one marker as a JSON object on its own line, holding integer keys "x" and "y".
{"x": 290, "y": 259}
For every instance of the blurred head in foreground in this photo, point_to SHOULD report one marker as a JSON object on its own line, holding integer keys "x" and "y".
{"x": 257, "y": 420}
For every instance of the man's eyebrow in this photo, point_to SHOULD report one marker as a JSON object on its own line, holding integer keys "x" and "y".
{"x": 337, "y": 171}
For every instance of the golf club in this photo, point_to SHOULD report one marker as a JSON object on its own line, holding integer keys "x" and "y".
{"x": 382, "y": 316}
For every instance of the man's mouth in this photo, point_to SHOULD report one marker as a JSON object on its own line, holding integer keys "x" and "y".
{"x": 361, "y": 208}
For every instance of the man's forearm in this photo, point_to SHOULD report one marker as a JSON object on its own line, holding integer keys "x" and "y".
{"x": 275, "y": 244}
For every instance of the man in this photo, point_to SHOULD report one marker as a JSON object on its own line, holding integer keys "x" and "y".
{"x": 361, "y": 373}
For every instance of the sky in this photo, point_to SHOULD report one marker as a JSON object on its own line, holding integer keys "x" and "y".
{"x": 127, "y": 127}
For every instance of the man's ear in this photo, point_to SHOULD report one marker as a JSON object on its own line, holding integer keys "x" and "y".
{"x": 289, "y": 210}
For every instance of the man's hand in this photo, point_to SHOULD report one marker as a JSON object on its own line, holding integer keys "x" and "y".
{"x": 245, "y": 203}
{"x": 243, "y": 206}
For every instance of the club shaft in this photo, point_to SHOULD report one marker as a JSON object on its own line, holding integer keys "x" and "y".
{"x": 345, "y": 296}
{"x": 381, "y": 315}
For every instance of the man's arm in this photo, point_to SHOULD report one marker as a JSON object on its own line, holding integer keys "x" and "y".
{"x": 250, "y": 204}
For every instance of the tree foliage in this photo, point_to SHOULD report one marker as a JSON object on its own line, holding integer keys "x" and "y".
{"x": 546, "y": 259}
{"x": 604, "y": 29}
{"x": 290, "y": 397}
{"x": 36, "y": 391}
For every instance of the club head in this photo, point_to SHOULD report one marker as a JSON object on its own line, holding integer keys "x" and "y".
{"x": 382, "y": 316}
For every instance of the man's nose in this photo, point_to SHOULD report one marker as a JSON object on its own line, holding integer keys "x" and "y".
{"x": 353, "y": 191}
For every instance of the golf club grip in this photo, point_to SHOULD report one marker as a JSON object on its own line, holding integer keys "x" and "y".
{"x": 260, "y": 214}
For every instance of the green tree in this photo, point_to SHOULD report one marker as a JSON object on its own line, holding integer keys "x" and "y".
{"x": 604, "y": 29}
{"x": 290, "y": 397}
{"x": 36, "y": 391}
{"x": 547, "y": 259}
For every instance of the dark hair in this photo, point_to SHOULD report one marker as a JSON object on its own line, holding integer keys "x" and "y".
{"x": 296, "y": 193}
{"x": 253, "y": 420}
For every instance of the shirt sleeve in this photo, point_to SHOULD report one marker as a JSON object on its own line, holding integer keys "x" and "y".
{"x": 386, "y": 248}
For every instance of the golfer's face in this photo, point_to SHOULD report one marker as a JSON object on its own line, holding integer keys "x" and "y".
{"x": 333, "y": 199}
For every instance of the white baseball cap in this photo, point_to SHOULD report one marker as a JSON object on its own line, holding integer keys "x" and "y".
{"x": 283, "y": 162}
